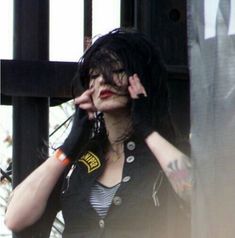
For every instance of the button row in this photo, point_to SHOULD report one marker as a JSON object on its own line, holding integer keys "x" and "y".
{"x": 118, "y": 200}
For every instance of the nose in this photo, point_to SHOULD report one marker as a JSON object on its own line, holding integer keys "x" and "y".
{"x": 101, "y": 79}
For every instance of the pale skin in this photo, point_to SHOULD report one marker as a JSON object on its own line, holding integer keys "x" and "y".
{"x": 29, "y": 199}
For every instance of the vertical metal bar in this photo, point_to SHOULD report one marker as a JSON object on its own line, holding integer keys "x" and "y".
{"x": 30, "y": 115}
{"x": 31, "y": 29}
{"x": 143, "y": 16}
{"x": 87, "y": 23}
{"x": 30, "y": 135}
{"x": 127, "y": 13}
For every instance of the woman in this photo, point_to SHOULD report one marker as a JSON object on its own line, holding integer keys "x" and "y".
{"x": 120, "y": 172}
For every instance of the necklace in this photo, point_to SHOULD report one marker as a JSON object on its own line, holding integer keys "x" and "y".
{"x": 115, "y": 154}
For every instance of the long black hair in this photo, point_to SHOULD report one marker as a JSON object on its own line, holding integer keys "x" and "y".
{"x": 136, "y": 54}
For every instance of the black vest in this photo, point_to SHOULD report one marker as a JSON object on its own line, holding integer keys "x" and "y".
{"x": 145, "y": 205}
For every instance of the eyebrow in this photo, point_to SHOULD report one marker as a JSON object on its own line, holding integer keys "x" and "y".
{"x": 94, "y": 75}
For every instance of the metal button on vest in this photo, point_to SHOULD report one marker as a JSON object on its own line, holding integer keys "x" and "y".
{"x": 126, "y": 179}
{"x": 117, "y": 200}
{"x": 131, "y": 145}
{"x": 130, "y": 159}
{"x": 101, "y": 223}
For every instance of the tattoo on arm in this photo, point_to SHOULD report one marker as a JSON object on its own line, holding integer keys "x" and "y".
{"x": 179, "y": 172}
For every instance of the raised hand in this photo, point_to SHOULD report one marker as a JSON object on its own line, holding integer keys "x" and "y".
{"x": 85, "y": 102}
{"x": 136, "y": 88}
{"x": 81, "y": 127}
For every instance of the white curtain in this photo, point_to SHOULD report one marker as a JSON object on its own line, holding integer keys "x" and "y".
{"x": 211, "y": 37}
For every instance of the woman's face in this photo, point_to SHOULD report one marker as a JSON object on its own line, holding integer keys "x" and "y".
{"x": 107, "y": 97}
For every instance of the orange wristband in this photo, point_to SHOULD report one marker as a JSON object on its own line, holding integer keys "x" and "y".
{"x": 59, "y": 155}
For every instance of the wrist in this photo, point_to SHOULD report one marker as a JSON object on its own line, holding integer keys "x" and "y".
{"x": 61, "y": 157}
{"x": 142, "y": 121}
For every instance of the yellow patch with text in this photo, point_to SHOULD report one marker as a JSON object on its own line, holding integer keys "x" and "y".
{"x": 91, "y": 161}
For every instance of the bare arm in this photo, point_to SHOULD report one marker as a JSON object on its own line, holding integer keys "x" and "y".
{"x": 174, "y": 163}
{"x": 29, "y": 199}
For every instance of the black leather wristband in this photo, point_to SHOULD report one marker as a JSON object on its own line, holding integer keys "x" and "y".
{"x": 141, "y": 116}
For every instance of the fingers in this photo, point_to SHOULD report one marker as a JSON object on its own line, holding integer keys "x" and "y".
{"x": 85, "y": 102}
{"x": 135, "y": 88}
{"x": 85, "y": 97}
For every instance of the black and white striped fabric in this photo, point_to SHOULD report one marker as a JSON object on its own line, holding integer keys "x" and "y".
{"x": 101, "y": 197}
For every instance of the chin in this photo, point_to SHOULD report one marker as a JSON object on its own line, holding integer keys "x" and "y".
{"x": 111, "y": 108}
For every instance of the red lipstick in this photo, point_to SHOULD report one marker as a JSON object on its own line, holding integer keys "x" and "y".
{"x": 106, "y": 94}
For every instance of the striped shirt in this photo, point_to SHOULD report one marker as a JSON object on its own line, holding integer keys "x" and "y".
{"x": 101, "y": 197}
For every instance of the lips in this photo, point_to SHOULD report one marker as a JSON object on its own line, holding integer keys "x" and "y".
{"x": 106, "y": 94}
